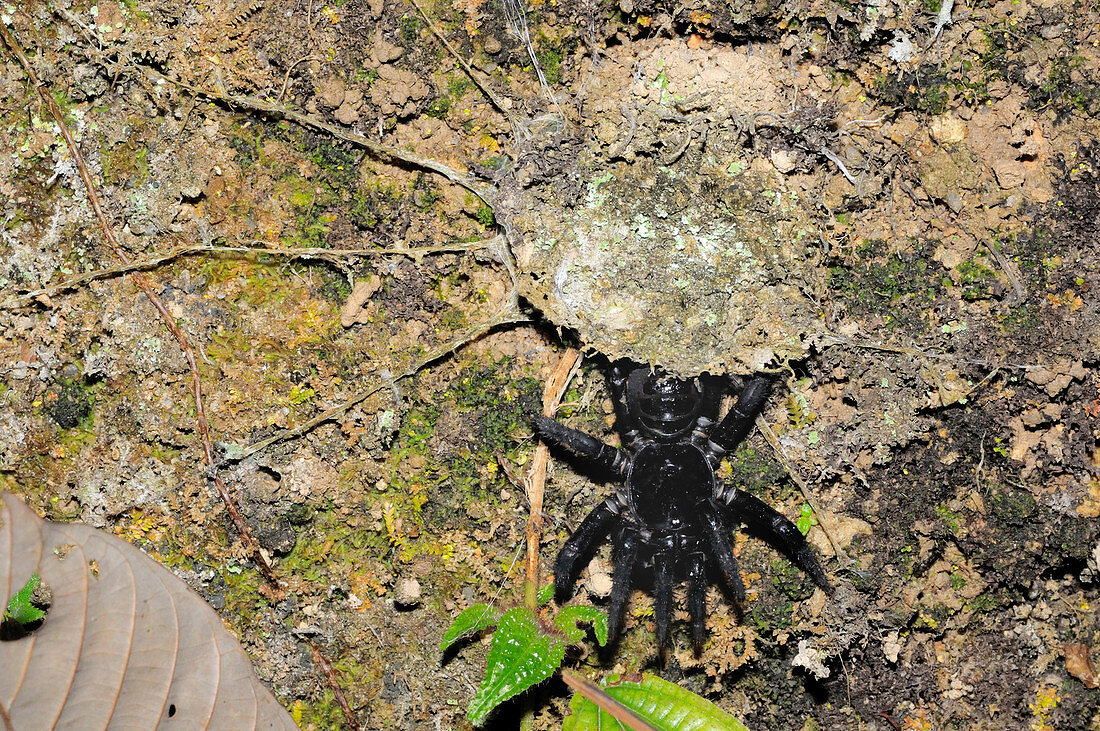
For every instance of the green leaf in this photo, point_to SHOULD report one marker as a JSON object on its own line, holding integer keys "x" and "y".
{"x": 806, "y": 519}
{"x": 546, "y": 593}
{"x": 521, "y": 656}
{"x": 663, "y": 705}
{"x": 472, "y": 619}
{"x": 567, "y": 619}
{"x": 20, "y": 609}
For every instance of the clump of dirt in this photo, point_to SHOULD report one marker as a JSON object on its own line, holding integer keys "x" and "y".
{"x": 67, "y": 404}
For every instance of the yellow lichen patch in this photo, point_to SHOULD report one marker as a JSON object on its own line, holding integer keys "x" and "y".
{"x": 470, "y": 9}
{"x": 142, "y": 527}
{"x": 698, "y": 17}
{"x": 641, "y": 609}
{"x": 917, "y": 722}
{"x": 365, "y": 586}
{"x": 1068, "y": 299}
{"x": 747, "y": 579}
{"x": 315, "y": 323}
{"x": 488, "y": 142}
{"x": 1046, "y": 700}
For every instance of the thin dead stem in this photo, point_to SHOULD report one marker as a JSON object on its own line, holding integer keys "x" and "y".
{"x": 334, "y": 685}
{"x": 518, "y": 19}
{"x": 487, "y": 90}
{"x": 286, "y": 76}
{"x": 202, "y": 426}
{"x": 808, "y": 496}
{"x": 536, "y": 487}
{"x": 272, "y": 109}
{"x": 593, "y": 692}
{"x": 1012, "y": 272}
{"x": 508, "y": 315}
{"x": 156, "y": 260}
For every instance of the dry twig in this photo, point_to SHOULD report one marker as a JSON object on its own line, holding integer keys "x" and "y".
{"x": 487, "y": 90}
{"x": 156, "y": 260}
{"x": 536, "y": 485}
{"x": 202, "y": 426}
{"x": 808, "y": 496}
{"x": 555, "y": 387}
{"x": 334, "y": 685}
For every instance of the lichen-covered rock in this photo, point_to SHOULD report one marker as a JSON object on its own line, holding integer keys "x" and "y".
{"x": 645, "y": 224}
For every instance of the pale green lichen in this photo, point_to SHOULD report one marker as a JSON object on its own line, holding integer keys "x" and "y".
{"x": 660, "y": 254}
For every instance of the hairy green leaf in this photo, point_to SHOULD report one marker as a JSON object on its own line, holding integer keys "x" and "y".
{"x": 546, "y": 593}
{"x": 20, "y": 610}
{"x": 660, "y": 704}
{"x": 520, "y": 657}
{"x": 472, "y": 619}
{"x": 567, "y": 619}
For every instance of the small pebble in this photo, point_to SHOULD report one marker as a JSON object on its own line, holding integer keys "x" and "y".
{"x": 599, "y": 585}
{"x": 407, "y": 593}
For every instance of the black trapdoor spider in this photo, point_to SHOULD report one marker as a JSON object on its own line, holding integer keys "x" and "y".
{"x": 672, "y": 512}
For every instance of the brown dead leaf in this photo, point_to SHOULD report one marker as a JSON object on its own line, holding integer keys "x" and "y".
{"x": 126, "y": 643}
{"x": 1079, "y": 664}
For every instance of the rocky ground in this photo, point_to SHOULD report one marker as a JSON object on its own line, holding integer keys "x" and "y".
{"x": 891, "y": 206}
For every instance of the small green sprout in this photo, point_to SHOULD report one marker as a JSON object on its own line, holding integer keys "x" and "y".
{"x": 806, "y": 519}
{"x": 485, "y": 216}
{"x": 20, "y": 610}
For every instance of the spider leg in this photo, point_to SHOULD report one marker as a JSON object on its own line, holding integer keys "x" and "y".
{"x": 772, "y": 526}
{"x": 737, "y": 423}
{"x": 718, "y": 537}
{"x": 612, "y": 459}
{"x": 625, "y": 423}
{"x": 662, "y": 607}
{"x": 592, "y": 529}
{"x": 624, "y": 556}
{"x": 697, "y": 597}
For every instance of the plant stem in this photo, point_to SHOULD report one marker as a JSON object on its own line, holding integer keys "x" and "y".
{"x": 551, "y": 396}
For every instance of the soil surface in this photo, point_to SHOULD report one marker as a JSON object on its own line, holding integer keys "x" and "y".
{"x": 893, "y": 207}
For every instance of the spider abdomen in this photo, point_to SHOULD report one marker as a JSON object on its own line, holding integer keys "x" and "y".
{"x": 667, "y": 483}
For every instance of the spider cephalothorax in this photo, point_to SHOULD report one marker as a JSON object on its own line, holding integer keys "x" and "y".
{"x": 672, "y": 513}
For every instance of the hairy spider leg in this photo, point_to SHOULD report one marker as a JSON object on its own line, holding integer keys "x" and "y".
{"x": 718, "y": 537}
{"x": 735, "y": 425}
{"x": 697, "y": 597}
{"x": 777, "y": 530}
{"x": 610, "y": 458}
{"x": 662, "y": 586}
{"x": 624, "y": 556}
{"x": 625, "y": 423}
{"x": 593, "y": 529}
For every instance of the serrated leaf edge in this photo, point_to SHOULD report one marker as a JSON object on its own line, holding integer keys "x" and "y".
{"x": 499, "y": 684}
{"x": 463, "y": 627}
